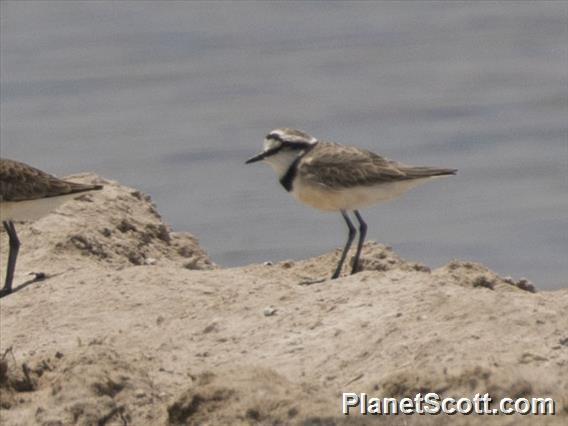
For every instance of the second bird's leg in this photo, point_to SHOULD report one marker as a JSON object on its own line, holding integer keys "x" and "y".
{"x": 362, "y": 234}
{"x": 347, "y": 244}
{"x": 12, "y": 256}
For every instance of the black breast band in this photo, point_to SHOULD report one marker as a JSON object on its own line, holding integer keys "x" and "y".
{"x": 287, "y": 180}
{"x": 290, "y": 174}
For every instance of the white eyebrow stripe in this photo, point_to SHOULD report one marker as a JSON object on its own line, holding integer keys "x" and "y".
{"x": 271, "y": 144}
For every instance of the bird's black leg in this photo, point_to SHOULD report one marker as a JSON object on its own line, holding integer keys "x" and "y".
{"x": 12, "y": 256}
{"x": 347, "y": 245}
{"x": 362, "y": 235}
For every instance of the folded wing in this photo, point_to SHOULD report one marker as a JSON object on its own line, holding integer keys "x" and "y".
{"x": 18, "y": 182}
{"x": 336, "y": 166}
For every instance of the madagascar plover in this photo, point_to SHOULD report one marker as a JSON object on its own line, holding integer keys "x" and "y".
{"x": 27, "y": 193}
{"x": 333, "y": 177}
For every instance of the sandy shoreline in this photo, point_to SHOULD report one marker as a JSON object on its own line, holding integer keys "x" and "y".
{"x": 134, "y": 324}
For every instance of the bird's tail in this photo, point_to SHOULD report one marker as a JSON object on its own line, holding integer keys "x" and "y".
{"x": 415, "y": 172}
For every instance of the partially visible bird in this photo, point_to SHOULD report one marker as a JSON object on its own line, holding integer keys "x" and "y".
{"x": 27, "y": 194}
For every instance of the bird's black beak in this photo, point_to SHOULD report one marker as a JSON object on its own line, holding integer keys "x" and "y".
{"x": 257, "y": 157}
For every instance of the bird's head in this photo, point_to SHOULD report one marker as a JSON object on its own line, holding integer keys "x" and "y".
{"x": 282, "y": 147}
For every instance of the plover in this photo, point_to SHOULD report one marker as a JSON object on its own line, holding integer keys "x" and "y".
{"x": 27, "y": 193}
{"x": 333, "y": 177}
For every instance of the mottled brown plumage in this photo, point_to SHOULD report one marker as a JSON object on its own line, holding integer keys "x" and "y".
{"x": 337, "y": 166}
{"x": 20, "y": 182}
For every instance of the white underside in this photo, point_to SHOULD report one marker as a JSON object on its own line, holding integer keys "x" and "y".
{"x": 32, "y": 209}
{"x": 323, "y": 198}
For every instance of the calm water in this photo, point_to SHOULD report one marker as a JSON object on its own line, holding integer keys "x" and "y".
{"x": 173, "y": 97}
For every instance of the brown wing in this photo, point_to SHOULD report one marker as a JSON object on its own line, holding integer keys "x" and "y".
{"x": 338, "y": 166}
{"x": 19, "y": 182}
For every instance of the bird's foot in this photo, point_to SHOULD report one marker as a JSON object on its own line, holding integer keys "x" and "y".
{"x": 5, "y": 292}
{"x": 39, "y": 276}
{"x": 356, "y": 267}
{"x": 354, "y": 270}
{"x": 310, "y": 281}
